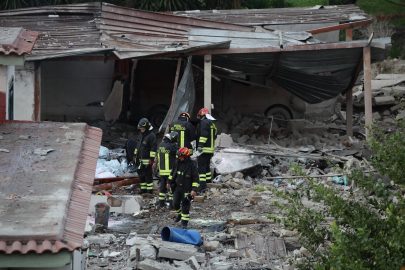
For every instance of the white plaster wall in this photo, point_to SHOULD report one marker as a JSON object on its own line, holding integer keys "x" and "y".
{"x": 67, "y": 86}
{"x": 24, "y": 83}
{"x": 3, "y": 79}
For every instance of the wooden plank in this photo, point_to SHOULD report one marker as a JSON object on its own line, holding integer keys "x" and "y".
{"x": 207, "y": 82}
{"x": 368, "y": 95}
{"x": 349, "y": 112}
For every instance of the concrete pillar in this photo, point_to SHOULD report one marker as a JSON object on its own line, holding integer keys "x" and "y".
{"x": 24, "y": 92}
{"x": 368, "y": 96}
{"x": 207, "y": 82}
{"x": 3, "y": 92}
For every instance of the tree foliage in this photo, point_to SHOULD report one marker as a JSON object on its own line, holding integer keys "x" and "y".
{"x": 361, "y": 229}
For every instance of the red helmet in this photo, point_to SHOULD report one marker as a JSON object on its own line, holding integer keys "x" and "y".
{"x": 183, "y": 153}
{"x": 185, "y": 115}
{"x": 203, "y": 112}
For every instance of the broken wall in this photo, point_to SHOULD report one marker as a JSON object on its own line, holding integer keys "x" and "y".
{"x": 24, "y": 85}
{"x": 67, "y": 87}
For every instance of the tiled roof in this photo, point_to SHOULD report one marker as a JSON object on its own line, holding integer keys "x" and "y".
{"x": 16, "y": 40}
{"x": 45, "y": 197}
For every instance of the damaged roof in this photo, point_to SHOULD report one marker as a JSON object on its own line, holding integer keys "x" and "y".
{"x": 129, "y": 33}
{"x": 16, "y": 40}
{"x": 47, "y": 173}
{"x": 277, "y": 16}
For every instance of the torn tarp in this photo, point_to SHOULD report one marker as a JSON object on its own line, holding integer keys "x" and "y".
{"x": 184, "y": 96}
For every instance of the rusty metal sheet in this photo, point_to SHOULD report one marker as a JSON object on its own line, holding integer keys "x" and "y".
{"x": 275, "y": 16}
{"x": 46, "y": 184}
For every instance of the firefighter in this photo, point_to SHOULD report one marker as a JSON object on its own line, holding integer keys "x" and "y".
{"x": 185, "y": 129}
{"x": 144, "y": 155}
{"x": 184, "y": 184}
{"x": 166, "y": 158}
{"x": 206, "y": 135}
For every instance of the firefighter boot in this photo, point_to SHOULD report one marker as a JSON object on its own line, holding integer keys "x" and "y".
{"x": 184, "y": 224}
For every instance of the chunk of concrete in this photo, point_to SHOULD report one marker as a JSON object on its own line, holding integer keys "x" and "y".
{"x": 147, "y": 251}
{"x": 224, "y": 140}
{"x": 176, "y": 251}
{"x": 104, "y": 240}
{"x": 231, "y": 160}
{"x": 130, "y": 204}
{"x": 211, "y": 245}
{"x": 384, "y": 100}
{"x": 222, "y": 266}
{"x": 245, "y": 218}
{"x": 193, "y": 263}
{"x": 400, "y": 115}
{"x": 149, "y": 264}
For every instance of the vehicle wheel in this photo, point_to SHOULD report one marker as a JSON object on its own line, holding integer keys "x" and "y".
{"x": 280, "y": 113}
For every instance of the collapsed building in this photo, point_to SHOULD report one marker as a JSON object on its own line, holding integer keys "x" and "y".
{"x": 100, "y": 61}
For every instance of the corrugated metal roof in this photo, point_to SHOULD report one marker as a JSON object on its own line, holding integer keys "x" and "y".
{"x": 277, "y": 16}
{"x": 45, "y": 197}
{"x": 16, "y": 40}
{"x": 95, "y": 27}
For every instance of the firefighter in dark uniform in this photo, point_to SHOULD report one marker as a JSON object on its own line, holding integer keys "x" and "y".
{"x": 185, "y": 129}
{"x": 144, "y": 154}
{"x": 206, "y": 135}
{"x": 166, "y": 158}
{"x": 184, "y": 185}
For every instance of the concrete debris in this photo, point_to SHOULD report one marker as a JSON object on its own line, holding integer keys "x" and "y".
{"x": 244, "y": 218}
{"x": 24, "y": 137}
{"x": 43, "y": 152}
{"x": 149, "y": 264}
{"x": 3, "y": 150}
{"x": 127, "y": 204}
{"x": 211, "y": 245}
{"x": 384, "y": 100}
{"x": 193, "y": 263}
{"x": 224, "y": 141}
{"x": 176, "y": 251}
{"x": 145, "y": 251}
{"x": 400, "y": 115}
{"x": 104, "y": 240}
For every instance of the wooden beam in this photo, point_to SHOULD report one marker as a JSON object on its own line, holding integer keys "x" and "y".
{"x": 349, "y": 34}
{"x": 368, "y": 96}
{"x": 342, "y": 26}
{"x": 291, "y": 48}
{"x": 207, "y": 82}
{"x": 349, "y": 111}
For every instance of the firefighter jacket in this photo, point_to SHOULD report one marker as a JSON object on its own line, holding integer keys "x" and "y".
{"x": 184, "y": 176}
{"x": 145, "y": 151}
{"x": 166, "y": 153}
{"x": 186, "y": 132}
{"x": 206, "y": 133}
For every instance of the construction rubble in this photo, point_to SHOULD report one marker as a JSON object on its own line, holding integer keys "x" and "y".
{"x": 236, "y": 217}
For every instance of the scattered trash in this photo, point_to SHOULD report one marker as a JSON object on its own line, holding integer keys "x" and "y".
{"x": 341, "y": 180}
{"x": 43, "y": 152}
{"x": 4, "y": 150}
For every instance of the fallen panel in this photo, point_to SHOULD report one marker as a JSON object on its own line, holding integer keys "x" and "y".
{"x": 232, "y": 160}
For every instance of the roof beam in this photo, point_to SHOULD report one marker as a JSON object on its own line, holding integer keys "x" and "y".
{"x": 349, "y": 25}
{"x": 304, "y": 47}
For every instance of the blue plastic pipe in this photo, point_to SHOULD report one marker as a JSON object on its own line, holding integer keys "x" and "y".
{"x": 178, "y": 235}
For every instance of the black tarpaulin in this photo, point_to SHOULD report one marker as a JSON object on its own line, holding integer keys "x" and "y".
{"x": 314, "y": 76}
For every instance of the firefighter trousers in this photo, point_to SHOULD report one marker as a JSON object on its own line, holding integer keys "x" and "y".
{"x": 204, "y": 171}
{"x": 163, "y": 192}
{"x": 145, "y": 175}
{"x": 182, "y": 204}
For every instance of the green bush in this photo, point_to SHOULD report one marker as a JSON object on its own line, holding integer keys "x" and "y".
{"x": 361, "y": 229}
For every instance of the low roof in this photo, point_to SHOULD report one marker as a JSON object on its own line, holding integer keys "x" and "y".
{"x": 47, "y": 173}
{"x": 281, "y": 16}
{"x": 100, "y": 27}
{"x": 16, "y": 40}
